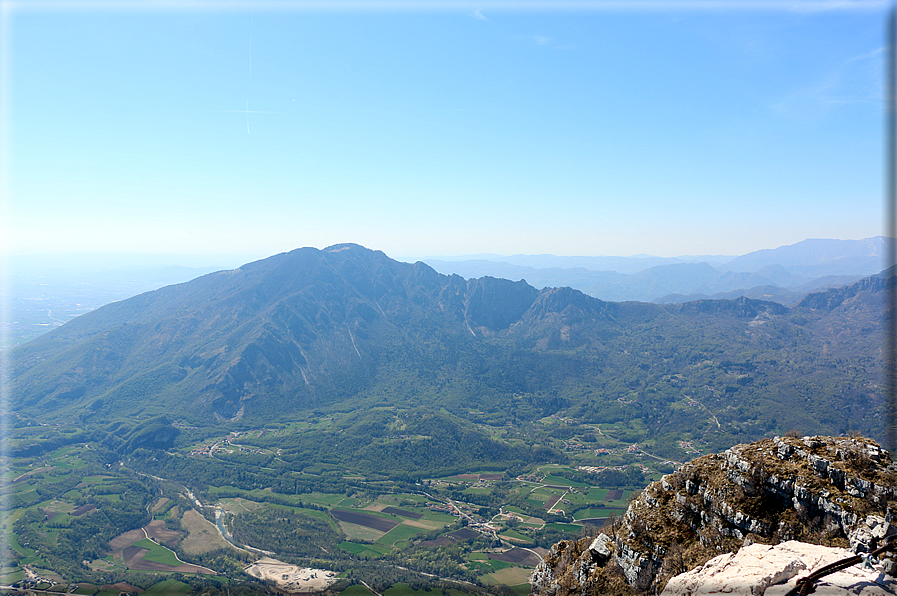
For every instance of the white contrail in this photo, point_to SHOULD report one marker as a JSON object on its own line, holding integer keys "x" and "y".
{"x": 247, "y": 111}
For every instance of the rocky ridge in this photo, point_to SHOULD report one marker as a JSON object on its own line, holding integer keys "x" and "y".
{"x": 834, "y": 491}
{"x": 348, "y": 328}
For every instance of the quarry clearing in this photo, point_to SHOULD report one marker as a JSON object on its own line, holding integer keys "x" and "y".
{"x": 291, "y": 578}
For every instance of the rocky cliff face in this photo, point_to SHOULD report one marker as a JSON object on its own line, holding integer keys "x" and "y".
{"x": 835, "y": 491}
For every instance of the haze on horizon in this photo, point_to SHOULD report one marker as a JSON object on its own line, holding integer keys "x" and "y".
{"x": 461, "y": 130}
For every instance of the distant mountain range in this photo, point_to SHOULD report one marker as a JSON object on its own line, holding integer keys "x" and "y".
{"x": 316, "y": 378}
{"x": 783, "y": 274}
{"x": 348, "y": 328}
{"x": 48, "y": 290}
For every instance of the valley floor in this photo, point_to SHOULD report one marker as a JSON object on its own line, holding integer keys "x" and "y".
{"x": 75, "y": 519}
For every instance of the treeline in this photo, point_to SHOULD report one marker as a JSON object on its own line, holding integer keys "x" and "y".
{"x": 122, "y": 438}
{"x": 418, "y": 442}
{"x": 201, "y": 473}
{"x": 631, "y": 477}
{"x": 269, "y": 497}
{"x": 85, "y": 537}
{"x": 290, "y": 533}
{"x": 228, "y": 562}
{"x": 38, "y": 446}
{"x": 431, "y": 444}
{"x": 443, "y": 561}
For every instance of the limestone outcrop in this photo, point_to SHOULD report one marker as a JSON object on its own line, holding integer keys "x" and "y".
{"x": 762, "y": 570}
{"x": 831, "y": 491}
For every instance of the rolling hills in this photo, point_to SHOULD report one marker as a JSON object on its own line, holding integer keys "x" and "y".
{"x": 784, "y": 274}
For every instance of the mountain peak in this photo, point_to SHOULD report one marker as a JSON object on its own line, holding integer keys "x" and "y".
{"x": 313, "y": 328}
{"x": 346, "y": 246}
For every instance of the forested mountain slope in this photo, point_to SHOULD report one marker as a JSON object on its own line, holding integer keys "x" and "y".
{"x": 347, "y": 327}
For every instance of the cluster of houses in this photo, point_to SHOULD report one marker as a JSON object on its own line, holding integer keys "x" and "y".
{"x": 31, "y": 584}
{"x": 483, "y": 481}
{"x": 596, "y": 469}
{"x": 33, "y": 581}
{"x": 689, "y": 447}
{"x": 225, "y": 444}
{"x": 574, "y": 446}
{"x": 563, "y": 419}
{"x": 465, "y": 511}
{"x": 204, "y": 449}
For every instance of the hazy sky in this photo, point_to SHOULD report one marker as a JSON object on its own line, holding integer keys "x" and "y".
{"x": 256, "y": 127}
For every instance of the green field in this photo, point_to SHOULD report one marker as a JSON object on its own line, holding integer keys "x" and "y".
{"x": 515, "y": 509}
{"x": 168, "y": 587}
{"x": 397, "y": 499}
{"x": 508, "y": 576}
{"x": 364, "y": 550}
{"x": 478, "y": 490}
{"x": 361, "y": 533}
{"x": 97, "y": 479}
{"x": 399, "y": 533}
{"x": 13, "y": 543}
{"x": 11, "y": 577}
{"x": 356, "y": 590}
{"x": 564, "y": 527}
{"x": 517, "y": 535}
{"x": 405, "y": 590}
{"x": 321, "y": 515}
{"x": 540, "y": 495}
{"x": 493, "y": 565}
{"x": 561, "y": 481}
{"x": 592, "y": 513}
{"x": 54, "y": 486}
{"x": 158, "y": 553}
{"x": 371, "y": 512}
{"x": 622, "y": 502}
{"x": 324, "y": 499}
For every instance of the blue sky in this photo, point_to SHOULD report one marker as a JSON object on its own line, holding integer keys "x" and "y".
{"x": 256, "y": 128}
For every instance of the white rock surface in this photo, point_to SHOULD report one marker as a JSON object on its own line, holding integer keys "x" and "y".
{"x": 761, "y": 570}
